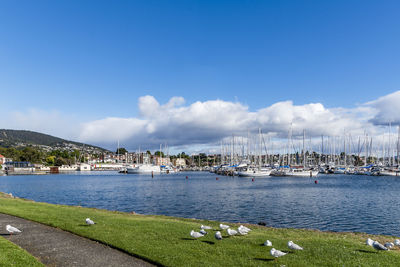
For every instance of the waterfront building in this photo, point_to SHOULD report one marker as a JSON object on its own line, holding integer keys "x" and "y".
{"x": 180, "y": 162}
{"x": 4, "y": 160}
{"x": 161, "y": 161}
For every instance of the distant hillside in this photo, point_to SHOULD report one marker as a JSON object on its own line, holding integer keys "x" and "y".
{"x": 15, "y": 138}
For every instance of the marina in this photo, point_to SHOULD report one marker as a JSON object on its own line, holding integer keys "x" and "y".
{"x": 337, "y": 203}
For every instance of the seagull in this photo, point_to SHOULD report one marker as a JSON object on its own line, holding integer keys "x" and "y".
{"x": 267, "y": 243}
{"x": 245, "y": 228}
{"x": 369, "y": 242}
{"x": 205, "y": 227}
{"x": 218, "y": 235}
{"x": 12, "y": 229}
{"x": 389, "y": 245}
{"x": 277, "y": 253}
{"x": 223, "y": 226}
{"x": 294, "y": 246}
{"x": 196, "y": 234}
{"x": 242, "y": 232}
{"x": 89, "y": 221}
{"x": 378, "y": 246}
{"x": 203, "y": 232}
{"x": 397, "y": 242}
{"x": 231, "y": 232}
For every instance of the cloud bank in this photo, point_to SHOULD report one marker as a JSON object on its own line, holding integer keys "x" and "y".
{"x": 208, "y": 122}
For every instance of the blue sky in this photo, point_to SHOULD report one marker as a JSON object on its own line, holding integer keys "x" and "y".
{"x": 95, "y": 59}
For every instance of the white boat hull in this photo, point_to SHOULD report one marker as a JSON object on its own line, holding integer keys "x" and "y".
{"x": 256, "y": 173}
{"x": 302, "y": 174}
{"x": 144, "y": 169}
{"x": 389, "y": 173}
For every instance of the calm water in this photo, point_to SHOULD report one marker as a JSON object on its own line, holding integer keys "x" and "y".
{"x": 336, "y": 203}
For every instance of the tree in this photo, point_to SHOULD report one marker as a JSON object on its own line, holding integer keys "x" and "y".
{"x": 121, "y": 151}
{"x": 59, "y": 161}
{"x": 50, "y": 160}
{"x": 157, "y": 153}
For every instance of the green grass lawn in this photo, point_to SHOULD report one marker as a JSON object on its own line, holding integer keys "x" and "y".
{"x": 12, "y": 255}
{"x": 166, "y": 240}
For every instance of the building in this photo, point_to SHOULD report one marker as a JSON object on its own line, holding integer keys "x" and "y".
{"x": 3, "y": 159}
{"x": 19, "y": 167}
{"x": 161, "y": 161}
{"x": 180, "y": 162}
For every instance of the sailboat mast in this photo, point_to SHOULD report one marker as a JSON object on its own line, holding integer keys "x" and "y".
{"x": 344, "y": 148}
{"x": 398, "y": 145}
{"x": 304, "y": 151}
{"x": 289, "y": 139}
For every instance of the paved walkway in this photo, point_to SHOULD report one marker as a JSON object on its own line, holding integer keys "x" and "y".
{"x": 54, "y": 247}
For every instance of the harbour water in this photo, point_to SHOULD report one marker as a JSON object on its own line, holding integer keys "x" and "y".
{"x": 336, "y": 203}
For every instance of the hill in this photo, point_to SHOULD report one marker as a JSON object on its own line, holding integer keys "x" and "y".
{"x": 21, "y": 138}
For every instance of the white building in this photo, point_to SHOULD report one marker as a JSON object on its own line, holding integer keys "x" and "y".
{"x": 180, "y": 162}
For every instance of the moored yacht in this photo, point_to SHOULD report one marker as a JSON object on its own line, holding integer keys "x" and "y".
{"x": 144, "y": 169}
{"x": 389, "y": 172}
{"x": 255, "y": 172}
{"x": 301, "y": 172}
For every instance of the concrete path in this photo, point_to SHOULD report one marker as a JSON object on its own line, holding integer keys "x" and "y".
{"x": 54, "y": 247}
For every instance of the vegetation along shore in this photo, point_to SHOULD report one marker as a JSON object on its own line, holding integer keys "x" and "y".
{"x": 167, "y": 241}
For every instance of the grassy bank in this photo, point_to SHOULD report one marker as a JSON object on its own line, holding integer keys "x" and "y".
{"x": 12, "y": 255}
{"x": 166, "y": 240}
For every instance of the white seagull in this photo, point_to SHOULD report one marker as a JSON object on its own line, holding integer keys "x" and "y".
{"x": 203, "y": 232}
{"x": 205, "y": 227}
{"x": 267, "y": 243}
{"x": 12, "y": 229}
{"x": 294, "y": 246}
{"x": 243, "y": 230}
{"x": 397, "y": 242}
{"x": 231, "y": 232}
{"x": 277, "y": 253}
{"x": 218, "y": 235}
{"x": 223, "y": 226}
{"x": 89, "y": 221}
{"x": 196, "y": 234}
{"x": 389, "y": 245}
{"x": 378, "y": 246}
{"x": 369, "y": 242}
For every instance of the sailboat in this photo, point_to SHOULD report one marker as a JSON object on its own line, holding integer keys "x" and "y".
{"x": 253, "y": 171}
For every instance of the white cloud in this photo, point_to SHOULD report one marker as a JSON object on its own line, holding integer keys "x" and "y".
{"x": 387, "y": 109}
{"x": 204, "y": 124}
{"x": 210, "y": 121}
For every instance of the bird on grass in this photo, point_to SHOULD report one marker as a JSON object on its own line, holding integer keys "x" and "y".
{"x": 378, "y": 246}
{"x": 203, "y": 232}
{"x": 89, "y": 221}
{"x": 369, "y": 242}
{"x": 231, "y": 232}
{"x": 218, "y": 235}
{"x": 397, "y": 242}
{"x": 277, "y": 253}
{"x": 294, "y": 246}
{"x": 389, "y": 245}
{"x": 243, "y": 230}
{"x": 223, "y": 226}
{"x": 205, "y": 227}
{"x": 196, "y": 234}
{"x": 12, "y": 229}
{"x": 267, "y": 243}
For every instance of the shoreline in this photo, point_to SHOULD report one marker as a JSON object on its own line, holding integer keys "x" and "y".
{"x": 165, "y": 240}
